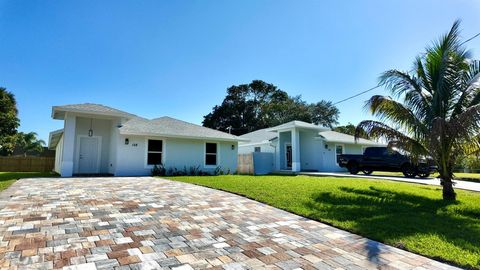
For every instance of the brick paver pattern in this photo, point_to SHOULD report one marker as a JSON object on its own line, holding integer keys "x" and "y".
{"x": 150, "y": 223}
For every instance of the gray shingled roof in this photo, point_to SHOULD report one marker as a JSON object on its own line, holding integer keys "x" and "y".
{"x": 167, "y": 126}
{"x": 91, "y": 108}
{"x": 261, "y": 135}
{"x": 163, "y": 126}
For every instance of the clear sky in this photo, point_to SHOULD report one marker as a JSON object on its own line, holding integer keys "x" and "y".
{"x": 176, "y": 58}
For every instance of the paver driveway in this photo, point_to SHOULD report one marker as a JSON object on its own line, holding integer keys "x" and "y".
{"x": 148, "y": 223}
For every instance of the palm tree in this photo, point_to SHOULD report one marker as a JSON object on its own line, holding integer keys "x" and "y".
{"x": 28, "y": 142}
{"x": 434, "y": 109}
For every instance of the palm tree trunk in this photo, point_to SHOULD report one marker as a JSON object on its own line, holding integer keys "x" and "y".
{"x": 448, "y": 192}
{"x": 446, "y": 174}
{"x": 447, "y": 184}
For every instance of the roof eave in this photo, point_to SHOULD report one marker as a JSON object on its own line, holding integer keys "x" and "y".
{"x": 354, "y": 142}
{"x": 59, "y": 109}
{"x": 319, "y": 129}
{"x": 255, "y": 143}
{"x": 51, "y": 136}
{"x": 182, "y": 136}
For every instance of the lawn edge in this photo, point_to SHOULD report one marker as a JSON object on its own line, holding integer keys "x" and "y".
{"x": 394, "y": 181}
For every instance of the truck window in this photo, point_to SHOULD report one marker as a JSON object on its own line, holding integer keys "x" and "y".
{"x": 338, "y": 151}
{"x": 372, "y": 151}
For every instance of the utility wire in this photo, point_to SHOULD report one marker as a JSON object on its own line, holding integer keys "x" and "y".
{"x": 378, "y": 85}
{"x": 470, "y": 39}
{"x": 354, "y": 96}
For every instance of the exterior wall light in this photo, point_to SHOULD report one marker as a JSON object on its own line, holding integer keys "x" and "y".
{"x": 127, "y": 141}
{"x": 233, "y": 146}
{"x": 90, "y": 131}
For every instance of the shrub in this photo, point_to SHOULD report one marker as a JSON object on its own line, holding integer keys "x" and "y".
{"x": 471, "y": 162}
{"x": 218, "y": 171}
{"x": 158, "y": 170}
{"x": 190, "y": 171}
{"x": 194, "y": 171}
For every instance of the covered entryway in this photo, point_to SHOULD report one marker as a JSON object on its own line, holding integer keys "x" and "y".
{"x": 298, "y": 147}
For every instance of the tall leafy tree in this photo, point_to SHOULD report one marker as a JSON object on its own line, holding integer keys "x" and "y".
{"x": 28, "y": 142}
{"x": 324, "y": 113}
{"x": 280, "y": 111}
{"x": 434, "y": 109}
{"x": 242, "y": 109}
{"x": 347, "y": 129}
{"x": 350, "y": 130}
{"x": 257, "y": 105}
{"x": 9, "y": 121}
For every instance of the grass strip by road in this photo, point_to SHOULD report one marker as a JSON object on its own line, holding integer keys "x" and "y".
{"x": 8, "y": 178}
{"x": 471, "y": 177}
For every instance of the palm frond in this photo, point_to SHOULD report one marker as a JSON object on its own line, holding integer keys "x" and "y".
{"x": 387, "y": 109}
{"x": 399, "y": 82}
{"x": 402, "y": 84}
{"x": 445, "y": 63}
{"x": 419, "y": 68}
{"x": 378, "y": 130}
{"x": 466, "y": 125}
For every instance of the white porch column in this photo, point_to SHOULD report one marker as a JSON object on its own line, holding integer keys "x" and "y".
{"x": 296, "y": 165}
{"x": 278, "y": 153}
{"x": 66, "y": 169}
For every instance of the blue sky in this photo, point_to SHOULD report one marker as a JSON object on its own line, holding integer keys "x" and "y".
{"x": 176, "y": 58}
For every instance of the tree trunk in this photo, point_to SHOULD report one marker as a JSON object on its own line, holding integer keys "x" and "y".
{"x": 448, "y": 192}
{"x": 446, "y": 175}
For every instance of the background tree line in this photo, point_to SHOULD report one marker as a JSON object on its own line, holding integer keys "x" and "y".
{"x": 10, "y": 139}
{"x": 257, "y": 105}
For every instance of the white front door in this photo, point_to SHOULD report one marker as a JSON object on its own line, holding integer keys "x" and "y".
{"x": 88, "y": 158}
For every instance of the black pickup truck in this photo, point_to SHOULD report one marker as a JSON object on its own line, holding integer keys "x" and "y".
{"x": 386, "y": 159}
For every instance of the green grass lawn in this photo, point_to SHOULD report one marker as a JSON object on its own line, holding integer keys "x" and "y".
{"x": 405, "y": 215}
{"x": 8, "y": 178}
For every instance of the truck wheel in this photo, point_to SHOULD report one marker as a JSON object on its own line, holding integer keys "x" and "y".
{"x": 353, "y": 168}
{"x": 409, "y": 171}
{"x": 367, "y": 172}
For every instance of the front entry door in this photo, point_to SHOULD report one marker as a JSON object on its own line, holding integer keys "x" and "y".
{"x": 88, "y": 155}
{"x": 288, "y": 155}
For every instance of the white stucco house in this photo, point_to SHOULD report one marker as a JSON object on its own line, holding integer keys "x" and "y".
{"x": 97, "y": 139}
{"x": 299, "y": 146}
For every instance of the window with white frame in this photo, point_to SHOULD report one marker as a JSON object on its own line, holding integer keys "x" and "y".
{"x": 155, "y": 150}
{"x": 210, "y": 154}
{"x": 338, "y": 151}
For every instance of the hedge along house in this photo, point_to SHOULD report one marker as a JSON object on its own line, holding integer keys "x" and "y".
{"x": 299, "y": 146}
{"x": 97, "y": 139}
